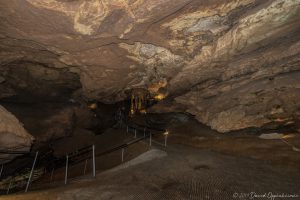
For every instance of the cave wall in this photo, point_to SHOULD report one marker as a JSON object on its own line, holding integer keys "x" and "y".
{"x": 13, "y": 136}
{"x": 233, "y": 64}
{"x": 248, "y": 104}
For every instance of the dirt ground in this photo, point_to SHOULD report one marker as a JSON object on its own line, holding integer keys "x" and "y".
{"x": 184, "y": 173}
{"x": 275, "y": 151}
{"x": 107, "y": 140}
{"x": 198, "y": 163}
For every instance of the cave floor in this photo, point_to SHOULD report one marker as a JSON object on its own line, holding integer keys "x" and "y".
{"x": 198, "y": 163}
{"x": 277, "y": 152}
{"x": 184, "y": 173}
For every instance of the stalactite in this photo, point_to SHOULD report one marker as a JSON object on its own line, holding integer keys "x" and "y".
{"x": 139, "y": 99}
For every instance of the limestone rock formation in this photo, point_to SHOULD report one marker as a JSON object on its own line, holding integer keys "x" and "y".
{"x": 233, "y": 64}
{"x": 13, "y": 137}
{"x": 59, "y": 125}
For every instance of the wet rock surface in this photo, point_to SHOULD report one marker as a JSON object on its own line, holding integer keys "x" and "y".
{"x": 233, "y": 64}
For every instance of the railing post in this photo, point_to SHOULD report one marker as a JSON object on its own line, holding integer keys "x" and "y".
{"x": 166, "y": 133}
{"x": 150, "y": 140}
{"x": 66, "y": 173}
{"x": 127, "y": 129}
{"x": 166, "y": 139}
{"x": 9, "y": 186}
{"x": 134, "y": 133}
{"x": 1, "y": 170}
{"x": 51, "y": 177}
{"x": 122, "y": 154}
{"x": 94, "y": 162}
{"x": 84, "y": 170}
{"x": 144, "y": 132}
{"x": 31, "y": 172}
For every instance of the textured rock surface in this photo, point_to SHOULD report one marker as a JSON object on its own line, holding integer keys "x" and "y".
{"x": 59, "y": 125}
{"x": 234, "y": 64}
{"x": 248, "y": 105}
{"x": 12, "y": 135}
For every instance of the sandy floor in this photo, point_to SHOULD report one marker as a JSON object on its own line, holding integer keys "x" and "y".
{"x": 111, "y": 138}
{"x": 185, "y": 173}
{"x": 197, "y": 164}
{"x": 275, "y": 152}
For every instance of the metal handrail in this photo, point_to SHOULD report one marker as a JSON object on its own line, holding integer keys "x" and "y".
{"x": 71, "y": 157}
{"x": 14, "y": 152}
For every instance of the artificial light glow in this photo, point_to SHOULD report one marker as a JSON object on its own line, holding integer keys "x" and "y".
{"x": 93, "y": 106}
{"x": 288, "y": 136}
{"x": 154, "y": 88}
{"x": 166, "y": 133}
{"x": 143, "y": 111}
{"x": 159, "y": 97}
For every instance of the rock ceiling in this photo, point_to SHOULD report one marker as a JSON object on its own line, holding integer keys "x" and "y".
{"x": 233, "y": 64}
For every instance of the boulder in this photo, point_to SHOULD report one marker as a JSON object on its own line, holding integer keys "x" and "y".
{"x": 13, "y": 137}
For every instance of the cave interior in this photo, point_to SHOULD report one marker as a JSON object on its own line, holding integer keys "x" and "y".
{"x": 90, "y": 86}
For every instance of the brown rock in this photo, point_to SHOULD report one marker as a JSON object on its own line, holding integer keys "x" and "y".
{"x": 13, "y": 137}
{"x": 59, "y": 125}
{"x": 217, "y": 58}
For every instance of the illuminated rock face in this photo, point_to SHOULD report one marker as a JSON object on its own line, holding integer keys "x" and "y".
{"x": 234, "y": 64}
{"x": 12, "y": 135}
